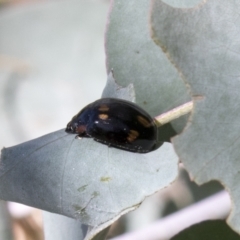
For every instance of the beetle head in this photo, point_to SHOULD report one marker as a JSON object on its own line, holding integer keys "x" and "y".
{"x": 71, "y": 127}
{"x": 76, "y": 126}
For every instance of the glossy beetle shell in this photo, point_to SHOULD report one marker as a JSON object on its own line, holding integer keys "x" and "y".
{"x": 117, "y": 123}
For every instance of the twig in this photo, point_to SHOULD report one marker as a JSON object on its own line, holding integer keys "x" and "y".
{"x": 176, "y": 222}
{"x": 174, "y": 113}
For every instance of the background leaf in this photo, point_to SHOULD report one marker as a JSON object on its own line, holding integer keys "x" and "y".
{"x": 182, "y": 3}
{"x": 203, "y": 43}
{"x": 60, "y": 227}
{"x": 5, "y": 222}
{"x": 135, "y": 58}
{"x": 208, "y": 230}
{"x": 52, "y": 64}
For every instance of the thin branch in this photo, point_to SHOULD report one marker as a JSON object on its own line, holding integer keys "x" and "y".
{"x": 167, "y": 227}
{"x": 174, "y": 113}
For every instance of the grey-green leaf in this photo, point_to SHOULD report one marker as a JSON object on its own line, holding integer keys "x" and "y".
{"x": 113, "y": 90}
{"x": 203, "y": 42}
{"x": 83, "y": 179}
{"x": 5, "y": 222}
{"x": 60, "y": 227}
{"x": 208, "y": 230}
{"x": 135, "y": 58}
{"x": 182, "y": 3}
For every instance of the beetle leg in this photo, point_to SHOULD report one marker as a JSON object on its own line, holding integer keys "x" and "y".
{"x": 83, "y": 134}
{"x": 78, "y": 137}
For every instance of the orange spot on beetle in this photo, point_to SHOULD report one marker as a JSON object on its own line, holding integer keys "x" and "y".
{"x": 144, "y": 121}
{"x": 103, "y": 108}
{"x": 103, "y": 116}
{"x": 132, "y": 135}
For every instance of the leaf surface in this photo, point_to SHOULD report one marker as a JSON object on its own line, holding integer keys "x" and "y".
{"x": 83, "y": 179}
{"x": 208, "y": 230}
{"x": 203, "y": 44}
{"x": 134, "y": 58}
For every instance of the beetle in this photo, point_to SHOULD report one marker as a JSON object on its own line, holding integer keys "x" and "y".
{"x": 117, "y": 123}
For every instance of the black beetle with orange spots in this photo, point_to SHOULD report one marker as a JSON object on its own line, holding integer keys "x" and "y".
{"x": 116, "y": 123}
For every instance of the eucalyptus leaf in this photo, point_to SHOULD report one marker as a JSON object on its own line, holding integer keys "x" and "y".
{"x": 208, "y": 230}
{"x": 60, "y": 227}
{"x": 203, "y": 43}
{"x": 135, "y": 58}
{"x": 51, "y": 64}
{"x": 182, "y": 3}
{"x": 113, "y": 90}
{"x": 83, "y": 179}
{"x": 5, "y": 222}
